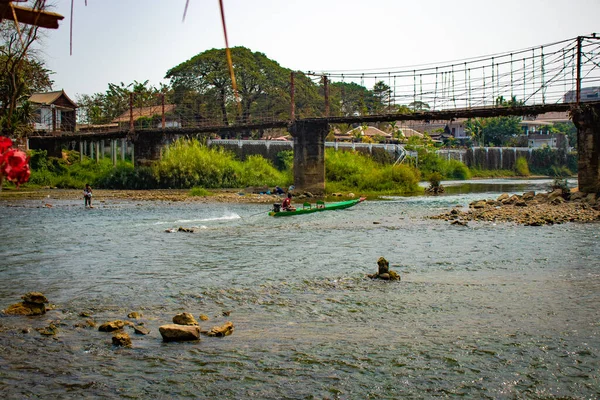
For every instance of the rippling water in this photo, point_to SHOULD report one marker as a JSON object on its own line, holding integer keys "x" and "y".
{"x": 484, "y": 311}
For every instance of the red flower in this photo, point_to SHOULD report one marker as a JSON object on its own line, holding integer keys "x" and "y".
{"x": 5, "y": 144}
{"x": 16, "y": 166}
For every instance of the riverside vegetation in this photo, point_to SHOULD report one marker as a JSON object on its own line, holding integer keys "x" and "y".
{"x": 191, "y": 165}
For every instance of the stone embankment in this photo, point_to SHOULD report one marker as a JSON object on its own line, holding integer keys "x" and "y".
{"x": 531, "y": 209}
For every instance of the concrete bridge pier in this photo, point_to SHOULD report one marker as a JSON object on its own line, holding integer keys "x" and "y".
{"x": 148, "y": 147}
{"x": 309, "y": 155}
{"x": 586, "y": 118}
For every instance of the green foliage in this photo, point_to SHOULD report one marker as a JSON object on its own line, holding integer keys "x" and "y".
{"x": 521, "y": 167}
{"x": 353, "y": 171}
{"x": 257, "y": 171}
{"x": 560, "y": 171}
{"x": 198, "y": 191}
{"x": 429, "y": 162}
{"x": 435, "y": 179}
{"x": 188, "y": 163}
{"x": 125, "y": 176}
{"x": 285, "y": 160}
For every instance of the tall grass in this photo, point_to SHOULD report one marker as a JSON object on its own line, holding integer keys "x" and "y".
{"x": 353, "y": 171}
{"x": 188, "y": 163}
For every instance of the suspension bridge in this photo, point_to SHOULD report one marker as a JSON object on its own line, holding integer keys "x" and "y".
{"x": 559, "y": 76}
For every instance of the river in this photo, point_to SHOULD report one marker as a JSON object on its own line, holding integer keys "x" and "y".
{"x": 483, "y": 311}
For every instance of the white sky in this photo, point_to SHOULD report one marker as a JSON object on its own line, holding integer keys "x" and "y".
{"x": 125, "y": 40}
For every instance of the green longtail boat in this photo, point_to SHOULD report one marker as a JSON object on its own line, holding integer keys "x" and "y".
{"x": 312, "y": 208}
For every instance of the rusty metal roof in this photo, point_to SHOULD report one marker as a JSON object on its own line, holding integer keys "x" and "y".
{"x": 49, "y": 98}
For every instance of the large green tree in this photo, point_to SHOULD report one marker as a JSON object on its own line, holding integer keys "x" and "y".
{"x": 21, "y": 74}
{"x": 263, "y": 86}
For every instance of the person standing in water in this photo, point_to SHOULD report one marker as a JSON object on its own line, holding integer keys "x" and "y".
{"x": 87, "y": 195}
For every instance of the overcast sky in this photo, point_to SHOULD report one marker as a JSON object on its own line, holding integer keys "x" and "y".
{"x": 125, "y": 40}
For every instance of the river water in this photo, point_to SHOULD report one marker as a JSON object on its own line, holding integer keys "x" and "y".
{"x": 484, "y": 311}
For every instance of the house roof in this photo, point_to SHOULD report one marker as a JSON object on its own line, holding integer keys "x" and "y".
{"x": 144, "y": 112}
{"x": 49, "y": 98}
{"x": 409, "y": 132}
{"x": 369, "y": 131}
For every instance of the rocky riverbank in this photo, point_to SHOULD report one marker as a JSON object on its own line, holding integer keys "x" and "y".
{"x": 531, "y": 209}
{"x": 168, "y": 195}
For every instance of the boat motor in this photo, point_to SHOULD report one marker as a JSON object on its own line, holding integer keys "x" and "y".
{"x": 276, "y": 207}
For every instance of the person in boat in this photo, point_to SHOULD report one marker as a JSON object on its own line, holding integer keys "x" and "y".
{"x": 286, "y": 205}
{"x": 87, "y": 195}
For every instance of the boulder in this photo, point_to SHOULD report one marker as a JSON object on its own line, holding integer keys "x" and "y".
{"x": 220, "y": 331}
{"x": 478, "y": 204}
{"x": 383, "y": 266}
{"x": 528, "y": 195}
{"x": 394, "y": 276}
{"x": 134, "y": 315}
{"x": 184, "y": 319}
{"x": 32, "y": 304}
{"x": 179, "y": 333}
{"x": 121, "y": 339}
{"x": 141, "y": 330}
{"x": 590, "y": 199}
{"x": 502, "y": 197}
{"x": 113, "y": 325}
{"x": 34, "y": 297}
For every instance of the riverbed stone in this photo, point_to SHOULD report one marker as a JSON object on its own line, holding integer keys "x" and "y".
{"x": 121, "y": 339}
{"x": 141, "y": 330}
{"x": 383, "y": 266}
{"x": 179, "y": 333}
{"x": 134, "y": 315}
{"x": 32, "y": 304}
{"x": 528, "y": 195}
{"x": 185, "y": 319}
{"x": 502, "y": 197}
{"x": 221, "y": 331}
{"x": 548, "y": 209}
{"x": 113, "y": 325}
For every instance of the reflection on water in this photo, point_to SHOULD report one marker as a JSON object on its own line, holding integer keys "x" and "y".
{"x": 490, "y": 310}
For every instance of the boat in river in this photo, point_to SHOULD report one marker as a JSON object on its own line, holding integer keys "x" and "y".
{"x": 308, "y": 208}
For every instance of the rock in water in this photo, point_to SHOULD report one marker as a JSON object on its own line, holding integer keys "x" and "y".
{"x": 179, "y": 333}
{"x": 32, "y": 304}
{"x": 384, "y": 266}
{"x": 184, "y": 319}
{"x": 220, "y": 331}
{"x": 121, "y": 339}
{"x": 113, "y": 325}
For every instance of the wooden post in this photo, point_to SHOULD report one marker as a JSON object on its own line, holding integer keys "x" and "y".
{"x": 123, "y": 148}
{"x": 162, "y": 100}
{"x": 326, "y": 88}
{"x": 131, "y": 112}
{"x": 292, "y": 97}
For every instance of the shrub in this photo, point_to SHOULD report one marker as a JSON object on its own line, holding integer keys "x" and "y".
{"x": 521, "y": 167}
{"x": 197, "y": 191}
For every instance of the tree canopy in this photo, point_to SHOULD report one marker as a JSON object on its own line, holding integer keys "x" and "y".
{"x": 21, "y": 74}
